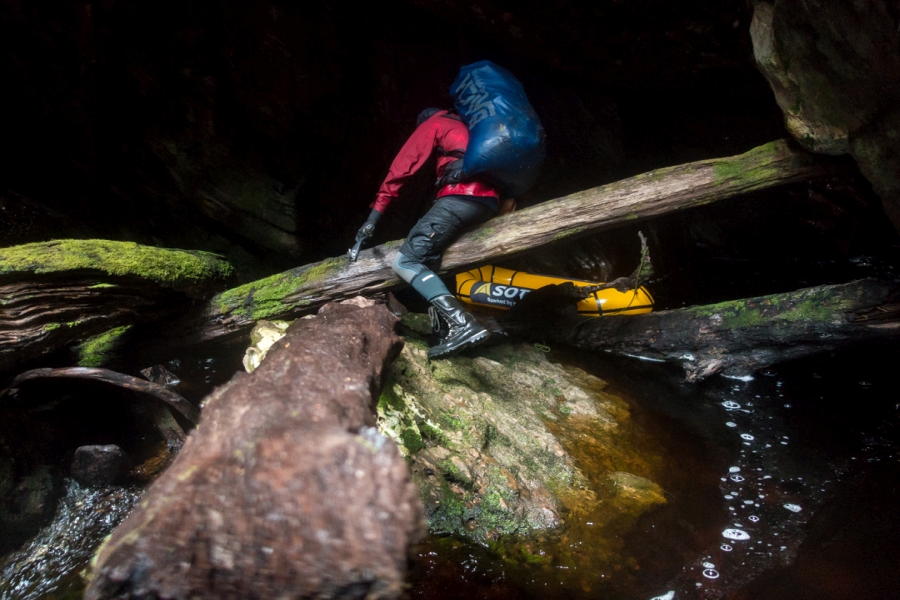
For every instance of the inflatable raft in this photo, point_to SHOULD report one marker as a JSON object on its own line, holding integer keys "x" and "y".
{"x": 504, "y": 288}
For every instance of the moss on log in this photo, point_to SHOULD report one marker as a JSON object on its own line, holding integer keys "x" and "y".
{"x": 183, "y": 270}
{"x": 53, "y": 294}
{"x": 741, "y": 336}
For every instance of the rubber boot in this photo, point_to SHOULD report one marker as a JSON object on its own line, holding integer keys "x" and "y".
{"x": 464, "y": 330}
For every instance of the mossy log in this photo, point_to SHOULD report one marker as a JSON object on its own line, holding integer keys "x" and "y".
{"x": 286, "y": 489}
{"x": 739, "y": 337}
{"x": 288, "y": 294}
{"x": 53, "y": 294}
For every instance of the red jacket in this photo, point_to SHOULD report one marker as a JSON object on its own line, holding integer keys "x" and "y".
{"x": 438, "y": 132}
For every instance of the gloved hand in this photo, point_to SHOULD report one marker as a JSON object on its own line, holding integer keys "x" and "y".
{"x": 365, "y": 233}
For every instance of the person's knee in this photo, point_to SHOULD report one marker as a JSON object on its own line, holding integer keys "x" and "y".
{"x": 406, "y": 268}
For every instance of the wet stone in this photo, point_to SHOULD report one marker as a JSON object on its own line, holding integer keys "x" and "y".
{"x": 99, "y": 465}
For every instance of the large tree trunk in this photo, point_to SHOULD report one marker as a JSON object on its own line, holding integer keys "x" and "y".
{"x": 288, "y": 294}
{"x": 285, "y": 490}
{"x": 740, "y": 336}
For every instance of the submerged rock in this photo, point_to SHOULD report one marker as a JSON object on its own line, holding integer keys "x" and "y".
{"x": 505, "y": 442}
{"x": 99, "y": 465}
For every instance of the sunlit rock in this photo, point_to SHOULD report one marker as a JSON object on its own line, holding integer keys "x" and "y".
{"x": 504, "y": 442}
{"x": 264, "y": 334}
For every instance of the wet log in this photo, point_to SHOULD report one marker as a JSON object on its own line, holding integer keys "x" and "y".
{"x": 286, "y": 489}
{"x": 739, "y": 337}
{"x": 294, "y": 292}
{"x": 54, "y": 294}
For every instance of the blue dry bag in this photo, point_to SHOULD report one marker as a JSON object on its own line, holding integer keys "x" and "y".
{"x": 506, "y": 138}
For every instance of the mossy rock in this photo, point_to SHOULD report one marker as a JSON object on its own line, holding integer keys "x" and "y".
{"x": 496, "y": 442}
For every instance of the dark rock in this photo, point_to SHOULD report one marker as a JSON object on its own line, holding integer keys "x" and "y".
{"x": 99, "y": 465}
{"x": 835, "y": 72}
{"x": 26, "y": 502}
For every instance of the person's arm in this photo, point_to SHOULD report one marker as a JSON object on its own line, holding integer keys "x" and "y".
{"x": 414, "y": 153}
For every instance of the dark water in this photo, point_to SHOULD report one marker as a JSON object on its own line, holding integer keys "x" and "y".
{"x": 783, "y": 486}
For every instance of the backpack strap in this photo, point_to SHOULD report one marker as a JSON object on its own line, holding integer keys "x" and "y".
{"x": 452, "y": 172}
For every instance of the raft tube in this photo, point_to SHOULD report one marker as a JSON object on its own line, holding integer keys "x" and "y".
{"x": 497, "y": 287}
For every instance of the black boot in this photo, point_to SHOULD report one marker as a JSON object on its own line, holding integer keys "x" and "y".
{"x": 464, "y": 330}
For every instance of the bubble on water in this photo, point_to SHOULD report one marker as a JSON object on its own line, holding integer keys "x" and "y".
{"x": 734, "y": 469}
{"x": 725, "y": 548}
{"x": 787, "y": 405}
{"x": 731, "y": 405}
{"x": 753, "y": 518}
{"x": 736, "y": 534}
{"x": 748, "y": 501}
{"x": 793, "y": 507}
{"x": 708, "y": 565}
{"x": 747, "y": 436}
{"x": 711, "y": 573}
{"x": 667, "y": 596}
{"x": 737, "y": 478}
{"x": 730, "y": 424}
{"x": 728, "y": 496}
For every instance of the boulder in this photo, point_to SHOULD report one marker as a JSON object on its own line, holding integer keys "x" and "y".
{"x": 99, "y": 465}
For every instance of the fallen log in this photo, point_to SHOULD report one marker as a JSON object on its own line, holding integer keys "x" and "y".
{"x": 54, "y": 294}
{"x": 285, "y": 490}
{"x": 173, "y": 399}
{"x": 286, "y": 295}
{"x": 738, "y": 337}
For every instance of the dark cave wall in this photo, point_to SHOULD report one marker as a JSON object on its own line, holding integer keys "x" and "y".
{"x": 261, "y": 130}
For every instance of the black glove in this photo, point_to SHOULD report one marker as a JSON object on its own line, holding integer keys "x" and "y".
{"x": 365, "y": 233}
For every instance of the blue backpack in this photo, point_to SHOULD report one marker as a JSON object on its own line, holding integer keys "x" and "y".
{"x": 506, "y": 138}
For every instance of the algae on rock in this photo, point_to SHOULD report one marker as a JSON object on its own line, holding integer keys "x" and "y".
{"x": 503, "y": 443}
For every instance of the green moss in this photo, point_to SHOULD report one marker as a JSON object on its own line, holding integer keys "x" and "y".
{"x": 51, "y": 326}
{"x": 753, "y": 166}
{"x": 432, "y": 433}
{"x": 482, "y": 233}
{"x": 96, "y": 351}
{"x": 172, "y": 268}
{"x": 454, "y": 421}
{"x": 272, "y": 297}
{"x": 535, "y": 559}
{"x": 567, "y": 233}
{"x": 810, "y": 310}
{"x": 412, "y": 440}
{"x": 389, "y": 398}
{"x": 734, "y": 315}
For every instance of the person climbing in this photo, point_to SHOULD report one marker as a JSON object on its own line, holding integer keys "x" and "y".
{"x": 458, "y": 205}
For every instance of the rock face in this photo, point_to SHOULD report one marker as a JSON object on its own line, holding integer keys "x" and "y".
{"x": 835, "y": 70}
{"x": 285, "y": 489}
{"x": 505, "y": 443}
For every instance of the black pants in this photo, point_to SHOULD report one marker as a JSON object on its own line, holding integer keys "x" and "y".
{"x": 427, "y": 240}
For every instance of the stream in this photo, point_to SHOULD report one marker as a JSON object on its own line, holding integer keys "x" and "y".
{"x": 780, "y": 485}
